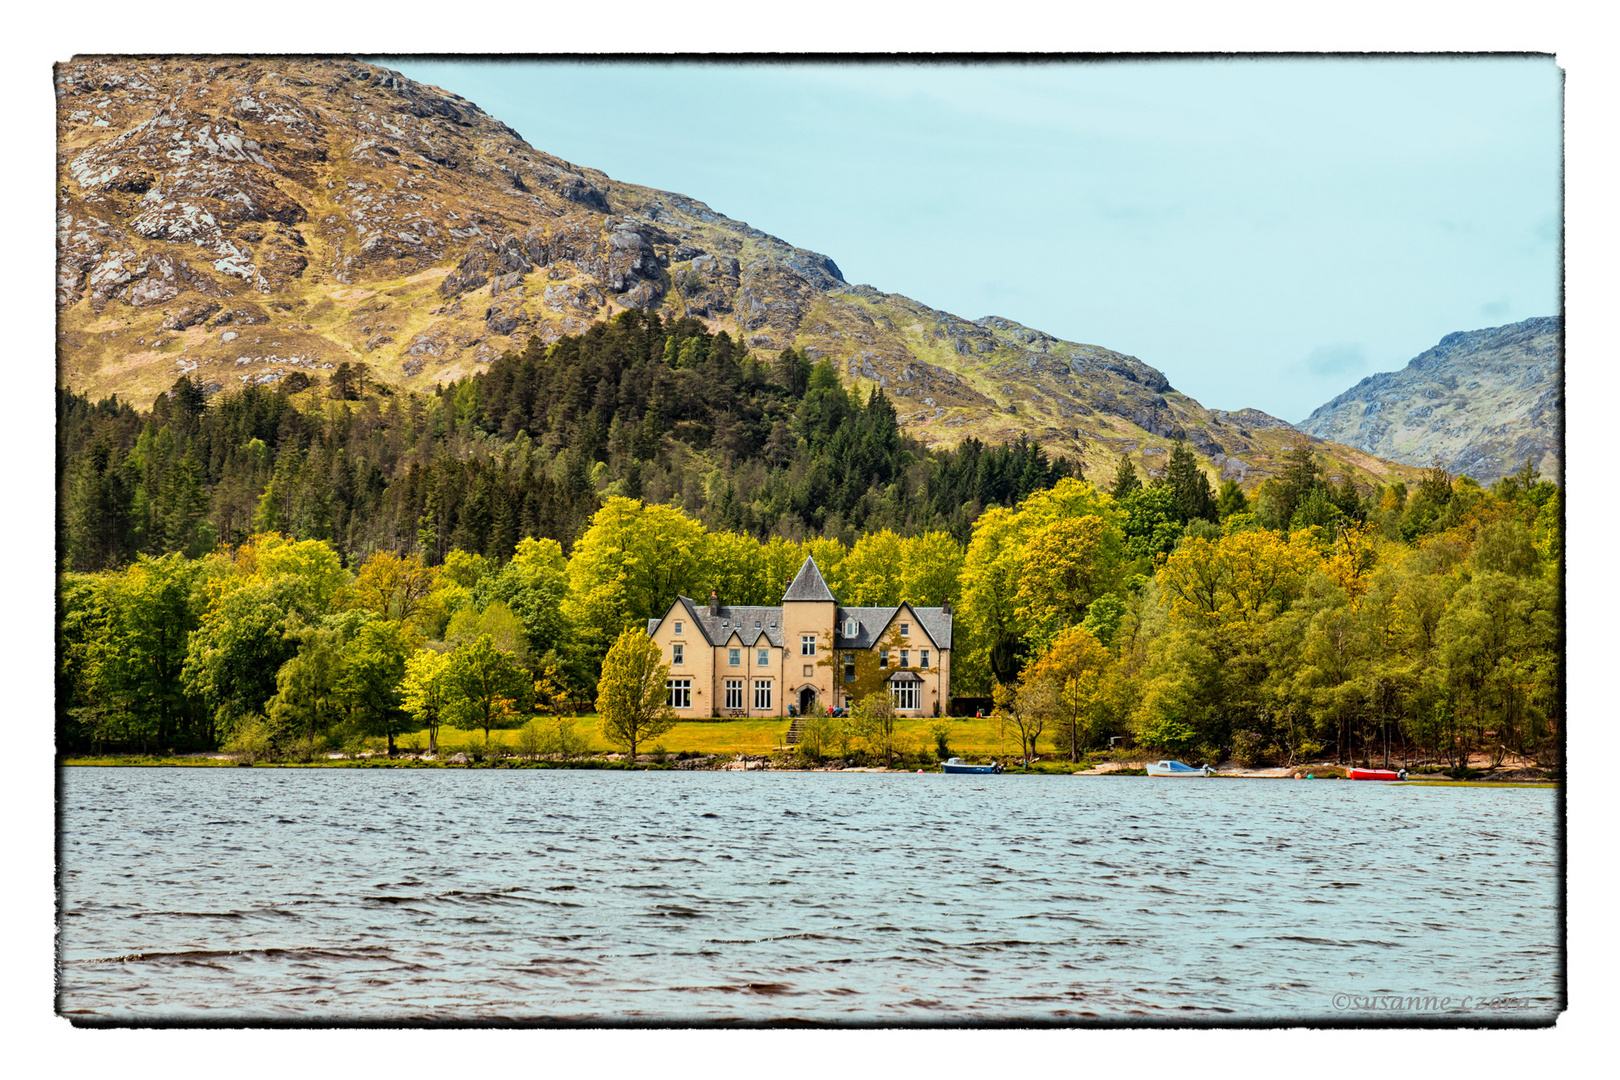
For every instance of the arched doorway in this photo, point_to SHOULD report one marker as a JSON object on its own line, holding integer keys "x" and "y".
{"x": 807, "y": 698}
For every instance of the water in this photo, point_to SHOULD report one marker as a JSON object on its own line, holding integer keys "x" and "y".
{"x": 453, "y": 896}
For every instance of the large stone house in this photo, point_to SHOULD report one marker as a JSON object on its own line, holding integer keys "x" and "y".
{"x": 759, "y": 661}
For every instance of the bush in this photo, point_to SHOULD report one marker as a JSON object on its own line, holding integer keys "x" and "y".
{"x": 942, "y": 740}
{"x": 253, "y": 740}
{"x": 531, "y": 737}
{"x": 1249, "y": 748}
{"x": 817, "y": 734}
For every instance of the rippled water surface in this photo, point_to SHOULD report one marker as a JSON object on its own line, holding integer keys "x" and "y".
{"x": 473, "y": 896}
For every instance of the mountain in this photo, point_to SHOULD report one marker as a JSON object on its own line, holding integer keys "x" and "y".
{"x": 1481, "y": 403}
{"x": 239, "y": 219}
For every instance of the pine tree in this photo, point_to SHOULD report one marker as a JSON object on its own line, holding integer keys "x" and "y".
{"x": 1125, "y": 479}
{"x": 1186, "y": 479}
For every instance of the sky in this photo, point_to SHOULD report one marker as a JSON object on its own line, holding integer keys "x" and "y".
{"x": 1266, "y": 232}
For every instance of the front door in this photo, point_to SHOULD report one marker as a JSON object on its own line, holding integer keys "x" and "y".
{"x": 807, "y": 698}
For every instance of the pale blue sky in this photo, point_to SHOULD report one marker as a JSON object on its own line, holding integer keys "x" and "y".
{"x": 1266, "y": 232}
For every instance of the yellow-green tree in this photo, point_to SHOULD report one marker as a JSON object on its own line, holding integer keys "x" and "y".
{"x": 731, "y": 563}
{"x": 427, "y": 691}
{"x": 870, "y": 575}
{"x": 1075, "y": 668}
{"x": 931, "y": 569}
{"x": 629, "y": 566}
{"x": 393, "y": 586}
{"x": 998, "y": 632}
{"x": 1068, "y": 563}
{"x": 632, "y": 696}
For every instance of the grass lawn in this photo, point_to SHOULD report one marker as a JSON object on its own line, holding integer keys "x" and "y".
{"x": 968, "y": 738}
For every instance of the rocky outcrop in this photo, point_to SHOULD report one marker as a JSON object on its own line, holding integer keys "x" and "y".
{"x": 1480, "y": 403}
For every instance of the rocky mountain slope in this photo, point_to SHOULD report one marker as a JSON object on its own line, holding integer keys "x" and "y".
{"x": 240, "y": 219}
{"x": 1481, "y": 403}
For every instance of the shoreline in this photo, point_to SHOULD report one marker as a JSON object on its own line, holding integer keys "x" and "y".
{"x": 1507, "y": 777}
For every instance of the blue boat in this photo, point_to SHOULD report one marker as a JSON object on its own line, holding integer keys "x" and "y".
{"x": 1178, "y": 768}
{"x": 957, "y": 765}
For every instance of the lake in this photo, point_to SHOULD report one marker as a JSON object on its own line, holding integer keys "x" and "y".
{"x": 219, "y": 895}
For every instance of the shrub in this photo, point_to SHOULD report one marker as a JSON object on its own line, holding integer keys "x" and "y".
{"x": 817, "y": 733}
{"x": 531, "y": 737}
{"x": 1249, "y": 748}
{"x": 942, "y": 740}
{"x": 253, "y": 740}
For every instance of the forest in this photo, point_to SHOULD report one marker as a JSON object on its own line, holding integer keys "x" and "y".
{"x": 282, "y": 571}
{"x": 666, "y": 413}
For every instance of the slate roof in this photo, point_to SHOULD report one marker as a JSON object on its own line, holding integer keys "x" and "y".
{"x": 873, "y": 621}
{"x": 809, "y": 585}
{"x": 717, "y": 629}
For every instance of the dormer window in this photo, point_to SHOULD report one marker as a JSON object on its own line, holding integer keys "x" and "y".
{"x": 851, "y": 628}
{"x": 756, "y": 624}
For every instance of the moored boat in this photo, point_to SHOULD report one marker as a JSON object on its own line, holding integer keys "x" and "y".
{"x": 1178, "y": 768}
{"x": 957, "y": 765}
{"x": 1375, "y": 774}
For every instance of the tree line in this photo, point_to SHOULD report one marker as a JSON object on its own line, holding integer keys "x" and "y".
{"x": 667, "y": 413}
{"x": 1421, "y": 622}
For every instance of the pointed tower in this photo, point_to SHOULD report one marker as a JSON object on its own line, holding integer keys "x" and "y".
{"x": 808, "y": 611}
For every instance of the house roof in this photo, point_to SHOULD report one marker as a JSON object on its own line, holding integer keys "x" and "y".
{"x": 717, "y": 629}
{"x": 750, "y": 622}
{"x": 809, "y": 585}
{"x": 873, "y": 621}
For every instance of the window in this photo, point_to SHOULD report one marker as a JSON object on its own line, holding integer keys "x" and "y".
{"x": 925, "y": 658}
{"x": 905, "y": 697}
{"x": 734, "y": 693}
{"x": 807, "y": 644}
{"x": 764, "y": 658}
{"x": 756, "y": 624}
{"x": 905, "y": 657}
{"x": 851, "y": 628}
{"x": 679, "y": 653}
{"x": 883, "y": 658}
{"x": 809, "y": 670}
{"x": 680, "y": 693}
{"x": 734, "y": 657}
{"x": 762, "y": 693}
{"x": 849, "y": 667}
{"x": 678, "y": 625}
{"x": 905, "y": 629}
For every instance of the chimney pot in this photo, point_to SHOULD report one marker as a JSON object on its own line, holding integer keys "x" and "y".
{"x": 714, "y": 601}
{"x": 946, "y": 608}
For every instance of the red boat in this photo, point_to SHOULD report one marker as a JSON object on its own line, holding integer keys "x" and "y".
{"x": 1376, "y": 774}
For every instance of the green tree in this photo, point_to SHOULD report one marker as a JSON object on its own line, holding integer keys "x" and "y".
{"x": 1187, "y": 480}
{"x": 633, "y": 694}
{"x": 374, "y": 671}
{"x": 486, "y": 685}
{"x": 1125, "y": 480}
{"x": 1230, "y": 500}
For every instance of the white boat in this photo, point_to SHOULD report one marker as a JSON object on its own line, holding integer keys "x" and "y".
{"x": 1177, "y": 768}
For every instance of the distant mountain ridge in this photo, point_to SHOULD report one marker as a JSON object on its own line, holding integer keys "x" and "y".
{"x": 240, "y": 219}
{"x": 1481, "y": 403}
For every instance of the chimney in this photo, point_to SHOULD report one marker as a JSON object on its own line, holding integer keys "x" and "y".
{"x": 946, "y": 609}
{"x": 714, "y": 602}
